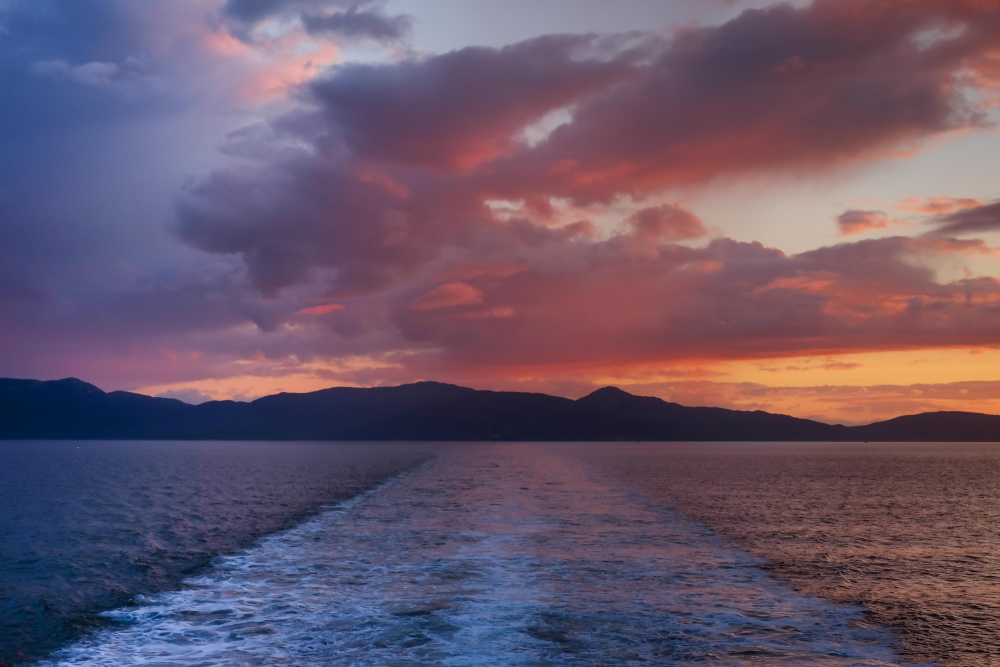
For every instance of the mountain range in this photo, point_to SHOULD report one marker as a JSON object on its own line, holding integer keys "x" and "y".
{"x": 73, "y": 409}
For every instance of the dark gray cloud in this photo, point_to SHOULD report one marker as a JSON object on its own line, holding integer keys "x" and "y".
{"x": 358, "y": 23}
{"x": 254, "y": 11}
{"x": 345, "y": 19}
{"x": 976, "y": 220}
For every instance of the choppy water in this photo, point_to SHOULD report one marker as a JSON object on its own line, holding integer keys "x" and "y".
{"x": 490, "y": 554}
{"x": 84, "y": 527}
{"x": 910, "y": 530}
{"x": 507, "y": 554}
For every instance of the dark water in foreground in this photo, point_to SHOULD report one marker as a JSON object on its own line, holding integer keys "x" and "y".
{"x": 505, "y": 554}
{"x": 910, "y": 530}
{"x": 86, "y": 526}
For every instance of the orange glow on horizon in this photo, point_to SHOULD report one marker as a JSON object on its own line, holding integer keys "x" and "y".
{"x": 852, "y": 388}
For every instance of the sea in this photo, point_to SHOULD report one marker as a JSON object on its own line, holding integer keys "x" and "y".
{"x": 299, "y": 553}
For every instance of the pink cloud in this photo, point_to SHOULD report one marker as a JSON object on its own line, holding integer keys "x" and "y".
{"x": 667, "y": 222}
{"x": 321, "y": 310}
{"x": 390, "y": 167}
{"x": 448, "y": 295}
{"x": 776, "y": 89}
{"x": 937, "y": 205}
{"x": 855, "y": 222}
{"x": 374, "y": 192}
{"x": 601, "y": 305}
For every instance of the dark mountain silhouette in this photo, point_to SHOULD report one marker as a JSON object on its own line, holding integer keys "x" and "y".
{"x": 659, "y": 420}
{"x": 72, "y": 409}
{"x": 934, "y": 427}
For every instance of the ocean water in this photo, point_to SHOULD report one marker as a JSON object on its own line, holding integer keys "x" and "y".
{"x": 523, "y": 554}
{"x": 911, "y": 530}
{"x": 87, "y": 526}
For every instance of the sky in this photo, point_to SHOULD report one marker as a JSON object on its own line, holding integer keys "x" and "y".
{"x": 791, "y": 207}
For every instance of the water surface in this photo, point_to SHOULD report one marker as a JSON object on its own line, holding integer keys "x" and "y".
{"x": 86, "y": 526}
{"x": 912, "y": 531}
{"x": 511, "y": 554}
{"x": 490, "y": 554}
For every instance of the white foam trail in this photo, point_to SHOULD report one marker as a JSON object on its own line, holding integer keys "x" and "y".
{"x": 499, "y": 555}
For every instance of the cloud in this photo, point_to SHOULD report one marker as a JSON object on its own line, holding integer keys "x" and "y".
{"x": 827, "y": 365}
{"x": 359, "y": 24}
{"x": 854, "y": 222}
{"x": 598, "y": 302}
{"x": 385, "y": 170}
{"x": 252, "y": 11}
{"x": 91, "y": 74}
{"x": 321, "y": 310}
{"x": 381, "y": 190}
{"x": 346, "y": 19}
{"x": 375, "y": 187}
{"x": 352, "y": 187}
{"x": 667, "y": 222}
{"x": 831, "y": 403}
{"x": 449, "y": 295}
{"x": 650, "y": 228}
{"x": 971, "y": 220}
{"x": 108, "y": 106}
{"x": 774, "y": 89}
{"x": 459, "y": 109}
{"x": 132, "y": 77}
{"x": 938, "y": 205}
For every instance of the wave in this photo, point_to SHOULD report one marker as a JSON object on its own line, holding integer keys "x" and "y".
{"x": 492, "y": 554}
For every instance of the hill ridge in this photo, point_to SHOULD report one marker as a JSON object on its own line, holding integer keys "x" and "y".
{"x": 74, "y": 409}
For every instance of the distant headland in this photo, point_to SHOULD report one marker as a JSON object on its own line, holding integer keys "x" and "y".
{"x": 73, "y": 409}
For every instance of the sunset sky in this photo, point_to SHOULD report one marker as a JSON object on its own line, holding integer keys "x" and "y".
{"x": 791, "y": 207}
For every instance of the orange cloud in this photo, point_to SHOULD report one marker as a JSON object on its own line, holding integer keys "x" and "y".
{"x": 855, "y": 222}
{"x": 819, "y": 282}
{"x": 937, "y": 205}
{"x": 321, "y": 310}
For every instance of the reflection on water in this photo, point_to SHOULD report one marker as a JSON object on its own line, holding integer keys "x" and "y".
{"x": 490, "y": 554}
{"x": 910, "y": 530}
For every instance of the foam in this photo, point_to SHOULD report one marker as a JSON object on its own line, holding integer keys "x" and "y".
{"x": 500, "y": 555}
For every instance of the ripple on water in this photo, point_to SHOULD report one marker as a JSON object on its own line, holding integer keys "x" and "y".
{"x": 493, "y": 554}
